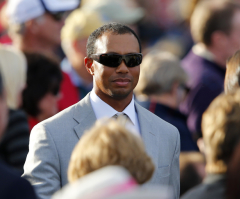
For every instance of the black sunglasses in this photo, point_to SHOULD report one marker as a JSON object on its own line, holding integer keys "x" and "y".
{"x": 114, "y": 60}
{"x": 58, "y": 16}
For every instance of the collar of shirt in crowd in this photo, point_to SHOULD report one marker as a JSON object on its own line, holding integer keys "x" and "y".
{"x": 200, "y": 50}
{"x": 102, "y": 109}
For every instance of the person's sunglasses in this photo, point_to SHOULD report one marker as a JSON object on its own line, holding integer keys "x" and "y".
{"x": 59, "y": 16}
{"x": 114, "y": 60}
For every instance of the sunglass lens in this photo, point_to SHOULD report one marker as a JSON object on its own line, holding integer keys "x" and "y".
{"x": 111, "y": 60}
{"x": 58, "y": 16}
{"x": 133, "y": 60}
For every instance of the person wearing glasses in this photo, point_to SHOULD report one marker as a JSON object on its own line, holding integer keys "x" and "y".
{"x": 35, "y": 27}
{"x": 113, "y": 59}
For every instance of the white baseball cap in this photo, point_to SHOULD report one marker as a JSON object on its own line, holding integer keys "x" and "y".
{"x": 20, "y": 11}
{"x": 115, "y": 10}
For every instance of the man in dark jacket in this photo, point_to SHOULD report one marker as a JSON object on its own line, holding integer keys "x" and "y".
{"x": 215, "y": 27}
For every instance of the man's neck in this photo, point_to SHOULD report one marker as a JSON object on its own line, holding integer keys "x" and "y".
{"x": 118, "y": 104}
{"x": 210, "y": 53}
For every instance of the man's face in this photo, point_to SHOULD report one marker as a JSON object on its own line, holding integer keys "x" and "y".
{"x": 50, "y": 29}
{"x": 234, "y": 36}
{"x": 119, "y": 82}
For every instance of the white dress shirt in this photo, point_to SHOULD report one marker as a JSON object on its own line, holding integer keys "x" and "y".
{"x": 102, "y": 109}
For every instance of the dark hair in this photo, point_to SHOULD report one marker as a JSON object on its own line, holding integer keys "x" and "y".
{"x": 114, "y": 28}
{"x": 211, "y": 16}
{"x": 43, "y": 76}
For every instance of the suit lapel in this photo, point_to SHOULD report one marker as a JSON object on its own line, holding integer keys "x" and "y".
{"x": 148, "y": 133}
{"x": 86, "y": 118}
{"x": 84, "y": 115}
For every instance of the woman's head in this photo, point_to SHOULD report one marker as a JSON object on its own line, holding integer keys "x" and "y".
{"x": 232, "y": 77}
{"x": 43, "y": 83}
{"x": 110, "y": 143}
{"x": 159, "y": 70}
{"x": 13, "y": 68}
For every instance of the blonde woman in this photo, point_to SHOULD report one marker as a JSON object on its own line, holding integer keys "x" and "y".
{"x": 14, "y": 144}
{"x": 110, "y": 143}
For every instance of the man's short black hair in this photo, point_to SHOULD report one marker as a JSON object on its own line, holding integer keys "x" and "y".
{"x": 43, "y": 76}
{"x": 113, "y": 28}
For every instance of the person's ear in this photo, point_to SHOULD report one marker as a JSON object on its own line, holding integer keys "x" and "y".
{"x": 32, "y": 26}
{"x": 89, "y": 65}
{"x": 219, "y": 39}
{"x": 174, "y": 89}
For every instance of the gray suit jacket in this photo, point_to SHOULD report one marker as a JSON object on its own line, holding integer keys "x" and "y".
{"x": 52, "y": 142}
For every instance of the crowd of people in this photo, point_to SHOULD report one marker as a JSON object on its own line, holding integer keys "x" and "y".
{"x": 119, "y": 99}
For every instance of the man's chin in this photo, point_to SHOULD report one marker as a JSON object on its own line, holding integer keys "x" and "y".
{"x": 120, "y": 94}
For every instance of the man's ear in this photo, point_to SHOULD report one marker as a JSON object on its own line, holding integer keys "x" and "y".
{"x": 89, "y": 65}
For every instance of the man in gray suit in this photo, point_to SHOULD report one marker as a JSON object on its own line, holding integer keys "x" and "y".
{"x": 113, "y": 58}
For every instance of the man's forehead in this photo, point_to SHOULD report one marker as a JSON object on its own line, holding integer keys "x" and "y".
{"x": 110, "y": 42}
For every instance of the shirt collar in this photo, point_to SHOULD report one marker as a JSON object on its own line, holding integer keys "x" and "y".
{"x": 102, "y": 109}
{"x": 200, "y": 50}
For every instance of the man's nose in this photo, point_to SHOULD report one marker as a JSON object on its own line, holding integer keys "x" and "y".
{"x": 122, "y": 68}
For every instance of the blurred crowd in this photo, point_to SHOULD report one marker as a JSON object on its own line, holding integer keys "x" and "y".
{"x": 190, "y": 77}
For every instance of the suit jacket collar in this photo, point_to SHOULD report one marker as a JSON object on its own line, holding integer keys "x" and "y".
{"x": 84, "y": 115}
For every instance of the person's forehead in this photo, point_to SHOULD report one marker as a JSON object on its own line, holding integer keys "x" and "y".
{"x": 118, "y": 43}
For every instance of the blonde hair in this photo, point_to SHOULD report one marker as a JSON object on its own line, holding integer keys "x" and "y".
{"x": 232, "y": 77}
{"x": 13, "y": 67}
{"x": 79, "y": 25}
{"x": 159, "y": 70}
{"x": 220, "y": 127}
{"x": 110, "y": 143}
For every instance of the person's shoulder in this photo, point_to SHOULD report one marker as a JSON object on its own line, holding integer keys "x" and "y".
{"x": 197, "y": 192}
{"x": 191, "y": 58}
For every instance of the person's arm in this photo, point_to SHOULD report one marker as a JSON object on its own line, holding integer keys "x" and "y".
{"x": 175, "y": 171}
{"x": 42, "y": 167}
